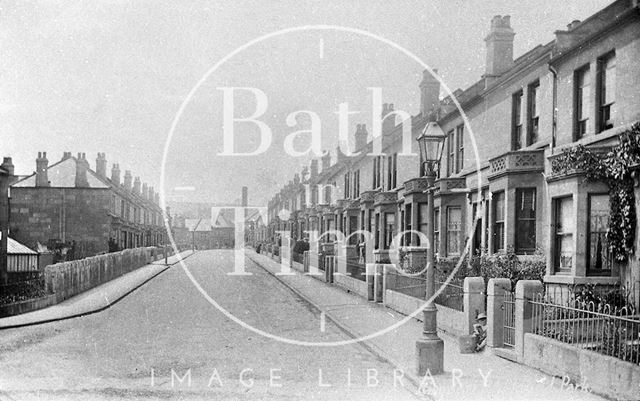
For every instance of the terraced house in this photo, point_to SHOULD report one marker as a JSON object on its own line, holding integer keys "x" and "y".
{"x": 70, "y": 203}
{"x": 504, "y": 160}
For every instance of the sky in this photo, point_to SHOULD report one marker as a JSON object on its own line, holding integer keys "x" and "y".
{"x": 111, "y": 75}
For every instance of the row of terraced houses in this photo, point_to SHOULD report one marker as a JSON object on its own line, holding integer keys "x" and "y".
{"x": 579, "y": 89}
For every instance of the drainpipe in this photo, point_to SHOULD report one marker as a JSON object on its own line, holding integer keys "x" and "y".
{"x": 554, "y": 120}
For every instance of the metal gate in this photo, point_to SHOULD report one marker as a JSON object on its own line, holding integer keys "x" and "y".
{"x": 508, "y": 319}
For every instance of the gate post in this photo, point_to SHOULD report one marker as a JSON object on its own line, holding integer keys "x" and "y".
{"x": 369, "y": 280}
{"x": 378, "y": 290}
{"x": 526, "y": 290}
{"x": 495, "y": 310}
{"x": 473, "y": 300}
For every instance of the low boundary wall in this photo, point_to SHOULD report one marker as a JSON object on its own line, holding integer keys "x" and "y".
{"x": 67, "y": 279}
{"x": 588, "y": 370}
{"x": 450, "y": 320}
{"x": 351, "y": 284}
{"x": 29, "y": 305}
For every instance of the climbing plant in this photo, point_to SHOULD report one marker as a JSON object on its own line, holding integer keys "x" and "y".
{"x": 615, "y": 169}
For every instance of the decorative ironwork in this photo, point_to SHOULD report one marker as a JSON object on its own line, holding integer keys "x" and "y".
{"x": 517, "y": 162}
{"x": 385, "y": 197}
{"x": 416, "y": 185}
{"x": 368, "y": 196}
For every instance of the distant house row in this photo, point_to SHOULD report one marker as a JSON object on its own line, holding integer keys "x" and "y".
{"x": 69, "y": 205}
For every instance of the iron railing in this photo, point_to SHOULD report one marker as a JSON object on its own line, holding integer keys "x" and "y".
{"x": 601, "y": 328}
{"x": 357, "y": 270}
{"x": 452, "y": 295}
{"x": 509, "y": 319}
{"x": 414, "y": 286}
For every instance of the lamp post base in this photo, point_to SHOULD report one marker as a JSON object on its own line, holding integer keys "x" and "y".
{"x": 430, "y": 348}
{"x": 430, "y": 353}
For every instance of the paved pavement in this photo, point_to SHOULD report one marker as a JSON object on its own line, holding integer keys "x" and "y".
{"x": 166, "y": 341}
{"x": 481, "y": 376}
{"x": 96, "y": 299}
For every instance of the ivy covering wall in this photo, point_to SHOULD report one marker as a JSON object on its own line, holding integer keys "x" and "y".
{"x": 616, "y": 169}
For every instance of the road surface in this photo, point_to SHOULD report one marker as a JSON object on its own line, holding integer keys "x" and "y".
{"x": 166, "y": 341}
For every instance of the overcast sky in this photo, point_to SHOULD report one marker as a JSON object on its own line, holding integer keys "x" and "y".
{"x": 109, "y": 76}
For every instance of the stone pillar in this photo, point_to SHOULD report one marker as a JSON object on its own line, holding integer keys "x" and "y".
{"x": 495, "y": 310}
{"x": 526, "y": 290}
{"x": 389, "y": 280}
{"x": 305, "y": 265}
{"x": 369, "y": 279}
{"x": 473, "y": 300}
{"x": 378, "y": 289}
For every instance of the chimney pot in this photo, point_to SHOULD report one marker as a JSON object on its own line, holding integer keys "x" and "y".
{"x": 499, "y": 44}
{"x": 429, "y": 93}
{"x": 115, "y": 174}
{"x": 101, "y": 165}
{"x": 42, "y": 164}
{"x": 136, "y": 186}
{"x": 81, "y": 172}
{"x": 127, "y": 180}
{"x": 360, "y": 137}
{"x": 7, "y": 164}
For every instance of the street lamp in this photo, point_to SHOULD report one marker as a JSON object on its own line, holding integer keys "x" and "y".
{"x": 430, "y": 348}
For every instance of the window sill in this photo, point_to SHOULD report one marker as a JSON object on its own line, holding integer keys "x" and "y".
{"x": 572, "y": 280}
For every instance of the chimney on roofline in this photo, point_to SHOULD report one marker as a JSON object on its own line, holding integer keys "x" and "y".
{"x": 42, "y": 178}
{"x": 429, "y": 93}
{"x": 388, "y": 118}
{"x": 360, "y": 137}
{"x": 499, "y": 44}
{"x": 136, "y": 186}
{"x": 115, "y": 174}
{"x": 82, "y": 165}
{"x": 145, "y": 191}
{"x": 7, "y": 165}
{"x": 127, "y": 180}
{"x": 101, "y": 165}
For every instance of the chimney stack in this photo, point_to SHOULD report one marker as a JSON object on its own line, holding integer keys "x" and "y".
{"x": 314, "y": 169}
{"x": 115, "y": 174}
{"x": 136, "y": 186}
{"x": 429, "y": 93}
{"x": 101, "y": 165}
{"x": 66, "y": 155}
{"x": 360, "y": 137}
{"x": 304, "y": 175}
{"x": 145, "y": 191}
{"x": 7, "y": 165}
{"x": 499, "y": 46}
{"x": 150, "y": 194}
{"x": 82, "y": 165}
{"x": 245, "y": 196}
{"x": 388, "y": 123}
{"x": 296, "y": 179}
{"x": 156, "y": 198}
{"x": 42, "y": 178}
{"x": 127, "y": 180}
{"x": 326, "y": 161}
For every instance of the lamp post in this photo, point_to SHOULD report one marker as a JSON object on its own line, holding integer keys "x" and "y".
{"x": 430, "y": 348}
